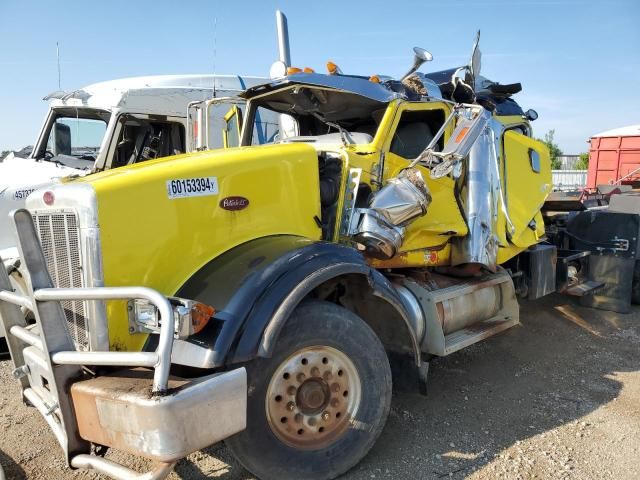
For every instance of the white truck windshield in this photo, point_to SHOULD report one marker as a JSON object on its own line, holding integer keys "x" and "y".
{"x": 74, "y": 139}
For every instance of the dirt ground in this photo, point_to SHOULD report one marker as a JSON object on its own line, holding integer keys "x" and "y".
{"x": 556, "y": 397}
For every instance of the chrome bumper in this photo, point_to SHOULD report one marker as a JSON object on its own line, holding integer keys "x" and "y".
{"x": 136, "y": 410}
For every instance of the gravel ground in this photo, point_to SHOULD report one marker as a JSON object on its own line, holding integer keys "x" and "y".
{"x": 556, "y": 397}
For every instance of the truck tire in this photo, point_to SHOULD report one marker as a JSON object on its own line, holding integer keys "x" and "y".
{"x": 317, "y": 406}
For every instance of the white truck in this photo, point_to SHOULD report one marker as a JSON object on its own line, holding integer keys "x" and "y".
{"x": 107, "y": 125}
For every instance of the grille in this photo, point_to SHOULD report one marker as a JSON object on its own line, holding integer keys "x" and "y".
{"x": 60, "y": 240}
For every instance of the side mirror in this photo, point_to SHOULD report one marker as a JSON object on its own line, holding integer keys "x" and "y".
{"x": 476, "y": 56}
{"x": 420, "y": 55}
{"x": 62, "y": 139}
{"x": 531, "y": 115}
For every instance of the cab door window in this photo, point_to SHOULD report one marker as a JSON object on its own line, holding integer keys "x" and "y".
{"x": 224, "y": 121}
{"x": 74, "y": 139}
{"x": 144, "y": 139}
{"x": 414, "y": 132}
{"x": 266, "y": 126}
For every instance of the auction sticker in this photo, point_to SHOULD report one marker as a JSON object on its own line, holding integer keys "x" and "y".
{"x": 192, "y": 187}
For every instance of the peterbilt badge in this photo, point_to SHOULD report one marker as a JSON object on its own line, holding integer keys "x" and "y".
{"x": 234, "y": 203}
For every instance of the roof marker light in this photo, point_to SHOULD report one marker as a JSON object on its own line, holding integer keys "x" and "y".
{"x": 293, "y": 70}
{"x": 333, "y": 69}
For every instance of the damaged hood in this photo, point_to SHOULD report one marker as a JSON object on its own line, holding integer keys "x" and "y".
{"x": 19, "y": 177}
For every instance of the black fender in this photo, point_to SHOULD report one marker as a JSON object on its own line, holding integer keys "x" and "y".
{"x": 256, "y": 286}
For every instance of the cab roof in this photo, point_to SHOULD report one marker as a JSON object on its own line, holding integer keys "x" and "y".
{"x": 343, "y": 83}
{"x": 140, "y": 91}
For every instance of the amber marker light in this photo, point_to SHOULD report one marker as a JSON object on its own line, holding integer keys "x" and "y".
{"x": 374, "y": 79}
{"x": 332, "y": 68}
{"x": 308, "y": 70}
{"x": 200, "y": 316}
{"x": 293, "y": 70}
{"x": 461, "y": 135}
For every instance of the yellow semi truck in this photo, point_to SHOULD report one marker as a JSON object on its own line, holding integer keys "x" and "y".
{"x": 268, "y": 295}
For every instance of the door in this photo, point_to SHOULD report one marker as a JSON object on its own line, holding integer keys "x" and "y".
{"x": 414, "y": 126}
{"x": 527, "y": 182}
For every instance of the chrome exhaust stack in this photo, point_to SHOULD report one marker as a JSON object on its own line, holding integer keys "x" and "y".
{"x": 380, "y": 228}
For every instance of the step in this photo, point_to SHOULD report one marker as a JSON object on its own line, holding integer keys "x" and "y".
{"x": 468, "y": 336}
{"x": 585, "y": 288}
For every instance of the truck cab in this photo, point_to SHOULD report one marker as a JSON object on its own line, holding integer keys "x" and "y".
{"x": 284, "y": 286}
{"x": 104, "y": 126}
{"x": 376, "y": 132}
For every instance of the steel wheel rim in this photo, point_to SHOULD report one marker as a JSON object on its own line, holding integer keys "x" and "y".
{"x": 312, "y": 397}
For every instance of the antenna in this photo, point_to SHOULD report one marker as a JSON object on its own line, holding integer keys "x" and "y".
{"x": 215, "y": 38}
{"x": 58, "y": 59}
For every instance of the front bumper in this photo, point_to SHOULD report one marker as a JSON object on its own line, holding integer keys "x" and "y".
{"x": 116, "y": 410}
{"x": 137, "y": 408}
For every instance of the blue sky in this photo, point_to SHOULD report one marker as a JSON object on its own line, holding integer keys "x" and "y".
{"x": 578, "y": 61}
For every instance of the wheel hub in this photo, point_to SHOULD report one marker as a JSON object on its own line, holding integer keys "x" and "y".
{"x": 312, "y": 397}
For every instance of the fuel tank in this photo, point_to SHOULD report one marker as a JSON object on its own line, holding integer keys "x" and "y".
{"x": 458, "y": 312}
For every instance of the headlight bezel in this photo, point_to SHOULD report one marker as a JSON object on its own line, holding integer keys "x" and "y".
{"x": 189, "y": 317}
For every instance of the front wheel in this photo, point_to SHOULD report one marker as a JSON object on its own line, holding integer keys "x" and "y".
{"x": 318, "y": 405}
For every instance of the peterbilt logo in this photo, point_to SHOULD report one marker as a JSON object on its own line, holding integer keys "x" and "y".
{"x": 234, "y": 203}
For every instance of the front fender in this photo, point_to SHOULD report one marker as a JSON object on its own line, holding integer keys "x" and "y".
{"x": 256, "y": 287}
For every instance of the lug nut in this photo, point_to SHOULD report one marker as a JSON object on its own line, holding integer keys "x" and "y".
{"x": 315, "y": 372}
{"x": 327, "y": 375}
{"x": 298, "y": 418}
{"x": 300, "y": 377}
{"x": 291, "y": 390}
{"x": 335, "y": 387}
{"x": 335, "y": 402}
{"x": 291, "y": 406}
{"x": 325, "y": 416}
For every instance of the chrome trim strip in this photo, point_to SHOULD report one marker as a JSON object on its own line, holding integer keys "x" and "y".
{"x": 116, "y": 359}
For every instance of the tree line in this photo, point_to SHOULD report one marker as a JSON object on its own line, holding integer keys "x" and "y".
{"x": 555, "y": 152}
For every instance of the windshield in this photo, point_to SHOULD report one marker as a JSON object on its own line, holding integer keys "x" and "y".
{"x": 312, "y": 112}
{"x": 74, "y": 137}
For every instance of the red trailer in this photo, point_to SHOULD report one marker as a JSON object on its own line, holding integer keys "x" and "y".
{"x": 614, "y": 157}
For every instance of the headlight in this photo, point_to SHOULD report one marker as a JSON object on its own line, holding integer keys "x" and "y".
{"x": 189, "y": 317}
